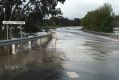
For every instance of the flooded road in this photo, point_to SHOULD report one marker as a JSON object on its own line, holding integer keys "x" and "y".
{"x": 75, "y": 56}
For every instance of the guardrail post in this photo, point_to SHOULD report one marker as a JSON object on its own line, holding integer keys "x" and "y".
{"x": 42, "y": 40}
{"x": 45, "y": 39}
{"x": 13, "y": 49}
{"x": 38, "y": 41}
{"x": 29, "y": 44}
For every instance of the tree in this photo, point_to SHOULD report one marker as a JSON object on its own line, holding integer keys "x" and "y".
{"x": 32, "y": 11}
{"x": 99, "y": 20}
{"x": 116, "y": 21}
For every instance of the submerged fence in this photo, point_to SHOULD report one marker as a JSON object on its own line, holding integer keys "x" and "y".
{"x": 22, "y": 42}
{"x": 111, "y": 35}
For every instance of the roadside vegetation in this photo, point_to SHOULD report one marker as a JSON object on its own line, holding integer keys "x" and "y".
{"x": 33, "y": 12}
{"x": 99, "y": 20}
{"x": 116, "y": 21}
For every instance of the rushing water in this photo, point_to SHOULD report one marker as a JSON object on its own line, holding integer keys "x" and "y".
{"x": 92, "y": 57}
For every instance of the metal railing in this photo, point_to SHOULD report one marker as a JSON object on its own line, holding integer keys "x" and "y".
{"x": 21, "y": 40}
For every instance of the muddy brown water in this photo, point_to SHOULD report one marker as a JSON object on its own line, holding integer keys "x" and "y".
{"x": 92, "y": 57}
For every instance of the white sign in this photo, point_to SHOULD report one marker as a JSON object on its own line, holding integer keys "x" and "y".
{"x": 13, "y": 22}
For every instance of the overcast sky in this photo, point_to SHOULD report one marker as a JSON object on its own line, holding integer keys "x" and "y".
{"x": 78, "y": 8}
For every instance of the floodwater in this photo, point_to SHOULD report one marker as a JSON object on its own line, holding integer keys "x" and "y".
{"x": 75, "y": 55}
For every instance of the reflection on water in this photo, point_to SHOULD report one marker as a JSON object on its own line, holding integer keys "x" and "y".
{"x": 31, "y": 65}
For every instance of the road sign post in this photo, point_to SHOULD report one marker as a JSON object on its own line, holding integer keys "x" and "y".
{"x": 7, "y": 32}
{"x": 21, "y": 30}
{"x": 14, "y": 22}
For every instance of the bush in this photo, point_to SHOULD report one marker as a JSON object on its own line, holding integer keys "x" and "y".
{"x": 99, "y": 20}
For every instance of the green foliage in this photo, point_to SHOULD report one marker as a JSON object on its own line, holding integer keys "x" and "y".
{"x": 99, "y": 20}
{"x": 116, "y": 21}
{"x": 32, "y": 11}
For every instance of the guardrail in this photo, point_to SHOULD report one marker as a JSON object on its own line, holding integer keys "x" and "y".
{"x": 43, "y": 39}
{"x": 20, "y": 40}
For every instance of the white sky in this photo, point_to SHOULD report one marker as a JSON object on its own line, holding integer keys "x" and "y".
{"x": 78, "y": 8}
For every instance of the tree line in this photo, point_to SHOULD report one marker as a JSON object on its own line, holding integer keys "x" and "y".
{"x": 55, "y": 22}
{"x": 60, "y": 21}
